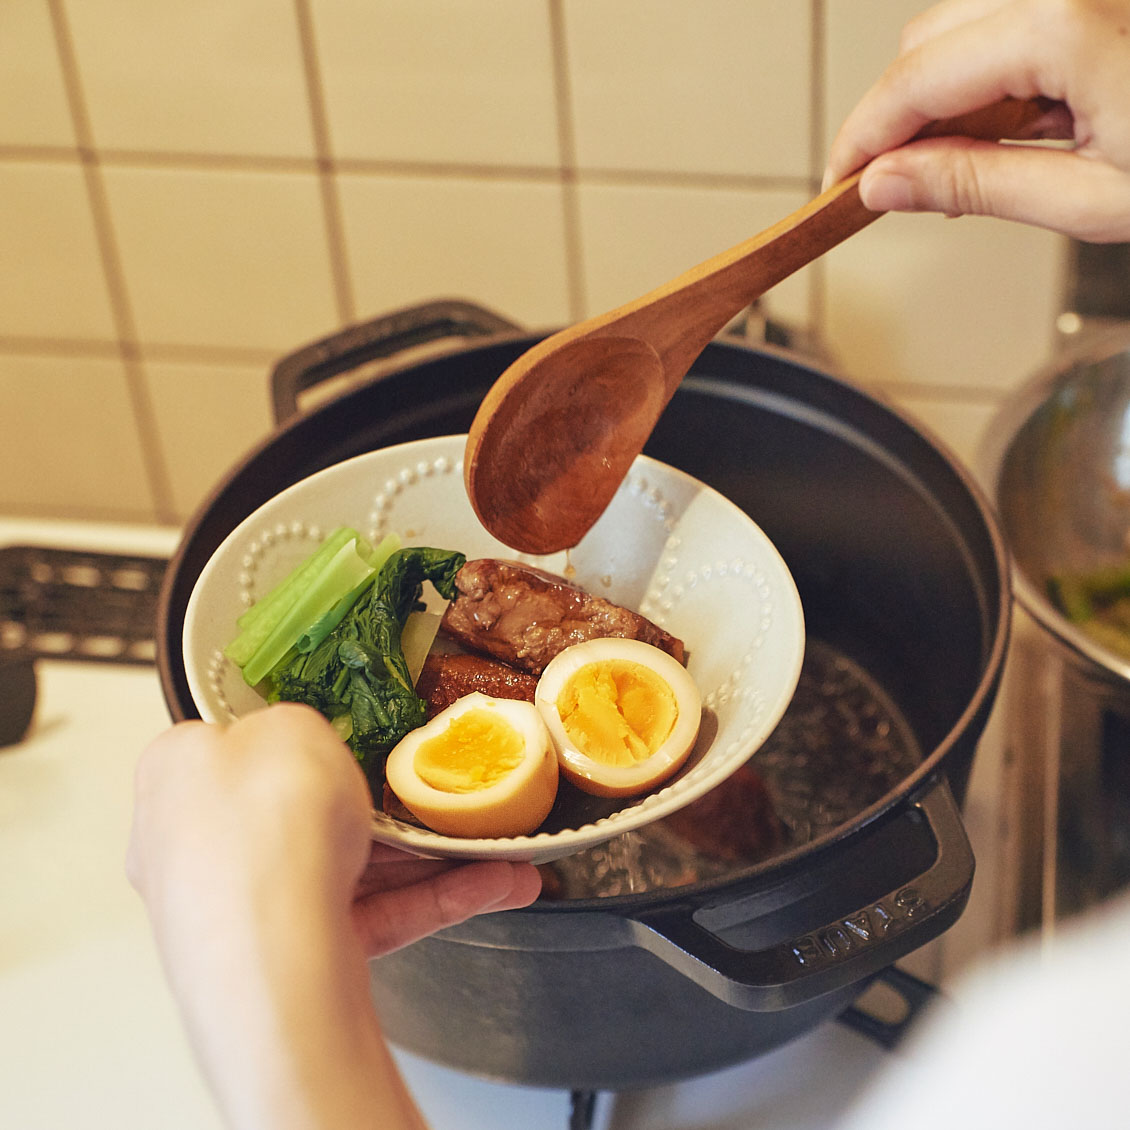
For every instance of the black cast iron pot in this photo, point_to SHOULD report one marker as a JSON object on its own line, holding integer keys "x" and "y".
{"x": 903, "y": 577}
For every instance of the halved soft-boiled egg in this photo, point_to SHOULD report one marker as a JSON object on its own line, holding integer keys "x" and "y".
{"x": 483, "y": 768}
{"x": 623, "y": 714}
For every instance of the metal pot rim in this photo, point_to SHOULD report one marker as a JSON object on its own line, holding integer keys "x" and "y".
{"x": 1055, "y": 624}
{"x": 1013, "y": 414}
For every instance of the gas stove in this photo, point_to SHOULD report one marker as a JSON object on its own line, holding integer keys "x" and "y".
{"x": 90, "y": 1035}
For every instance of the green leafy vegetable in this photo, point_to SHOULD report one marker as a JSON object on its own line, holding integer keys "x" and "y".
{"x": 274, "y": 623}
{"x": 1098, "y": 602}
{"x": 346, "y": 573}
{"x": 358, "y": 669}
{"x": 257, "y": 623}
{"x": 329, "y": 635}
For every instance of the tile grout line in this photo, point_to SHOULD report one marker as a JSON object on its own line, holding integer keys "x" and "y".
{"x": 361, "y": 166}
{"x": 13, "y": 345}
{"x": 818, "y": 292}
{"x": 204, "y": 355}
{"x": 40, "y": 154}
{"x": 162, "y": 159}
{"x": 102, "y": 349}
{"x": 818, "y": 92}
{"x": 113, "y": 275}
{"x": 327, "y": 181}
{"x": 567, "y": 149}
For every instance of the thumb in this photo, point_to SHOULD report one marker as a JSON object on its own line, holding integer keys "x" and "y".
{"x": 1074, "y": 193}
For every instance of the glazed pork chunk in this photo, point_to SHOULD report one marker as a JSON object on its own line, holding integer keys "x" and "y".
{"x": 524, "y": 616}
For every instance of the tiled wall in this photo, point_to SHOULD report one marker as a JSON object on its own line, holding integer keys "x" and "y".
{"x": 190, "y": 190}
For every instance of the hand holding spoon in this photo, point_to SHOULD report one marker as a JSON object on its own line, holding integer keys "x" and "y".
{"x": 556, "y": 434}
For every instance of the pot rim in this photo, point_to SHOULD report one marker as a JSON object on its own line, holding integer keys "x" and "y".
{"x": 1013, "y": 414}
{"x": 997, "y": 619}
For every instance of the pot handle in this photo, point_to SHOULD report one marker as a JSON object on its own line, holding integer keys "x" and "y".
{"x": 829, "y": 955}
{"x": 384, "y": 336}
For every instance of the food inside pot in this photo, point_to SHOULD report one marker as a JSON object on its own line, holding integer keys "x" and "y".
{"x": 1097, "y": 601}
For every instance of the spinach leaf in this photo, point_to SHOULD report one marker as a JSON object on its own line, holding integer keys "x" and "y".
{"x": 359, "y": 668}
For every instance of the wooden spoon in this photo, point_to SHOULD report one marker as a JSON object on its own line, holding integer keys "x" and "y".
{"x": 555, "y": 435}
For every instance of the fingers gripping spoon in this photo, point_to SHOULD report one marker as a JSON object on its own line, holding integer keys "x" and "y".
{"x": 556, "y": 434}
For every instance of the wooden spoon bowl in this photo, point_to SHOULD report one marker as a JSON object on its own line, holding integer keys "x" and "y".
{"x": 556, "y": 434}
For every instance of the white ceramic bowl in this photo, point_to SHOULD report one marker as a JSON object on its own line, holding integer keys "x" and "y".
{"x": 667, "y": 546}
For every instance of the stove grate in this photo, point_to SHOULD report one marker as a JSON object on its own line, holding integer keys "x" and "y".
{"x": 79, "y": 605}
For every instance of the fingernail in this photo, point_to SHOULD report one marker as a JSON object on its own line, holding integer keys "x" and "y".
{"x": 883, "y": 191}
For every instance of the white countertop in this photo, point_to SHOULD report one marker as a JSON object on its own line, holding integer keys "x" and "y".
{"x": 89, "y": 1035}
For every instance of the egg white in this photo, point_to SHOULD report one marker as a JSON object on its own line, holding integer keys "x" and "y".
{"x": 515, "y": 805}
{"x": 593, "y": 776}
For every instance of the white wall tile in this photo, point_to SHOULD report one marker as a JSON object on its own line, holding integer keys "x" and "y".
{"x": 71, "y": 444}
{"x": 861, "y": 38}
{"x": 944, "y": 316}
{"x": 207, "y": 77}
{"x": 718, "y": 86}
{"x": 438, "y": 80}
{"x": 223, "y": 258}
{"x": 51, "y": 279}
{"x": 635, "y": 238}
{"x": 961, "y": 304}
{"x": 959, "y": 425}
{"x": 498, "y": 243}
{"x": 207, "y": 417}
{"x": 33, "y": 104}
{"x": 966, "y": 303}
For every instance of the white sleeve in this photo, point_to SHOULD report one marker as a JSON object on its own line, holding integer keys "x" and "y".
{"x": 1036, "y": 1037}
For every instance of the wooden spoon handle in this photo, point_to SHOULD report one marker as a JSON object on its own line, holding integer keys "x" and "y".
{"x": 679, "y": 318}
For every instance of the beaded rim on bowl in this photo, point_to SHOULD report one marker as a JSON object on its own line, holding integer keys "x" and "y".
{"x": 669, "y": 546}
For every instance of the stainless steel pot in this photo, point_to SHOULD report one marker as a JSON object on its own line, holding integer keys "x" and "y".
{"x": 904, "y": 581}
{"x": 1057, "y": 464}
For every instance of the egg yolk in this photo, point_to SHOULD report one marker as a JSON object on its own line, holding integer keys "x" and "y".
{"x": 616, "y": 711}
{"x": 476, "y": 750}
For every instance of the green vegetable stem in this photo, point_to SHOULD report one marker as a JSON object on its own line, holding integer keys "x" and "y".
{"x": 357, "y": 667}
{"x": 273, "y": 624}
{"x": 347, "y": 572}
